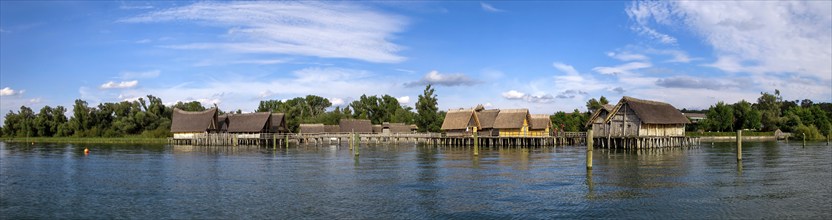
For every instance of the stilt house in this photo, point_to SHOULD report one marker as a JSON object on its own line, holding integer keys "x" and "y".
{"x": 487, "y": 118}
{"x": 311, "y": 128}
{"x": 185, "y": 124}
{"x": 356, "y": 125}
{"x": 596, "y": 121}
{"x": 513, "y": 122}
{"x": 250, "y": 125}
{"x": 540, "y": 126}
{"x": 460, "y": 122}
{"x": 278, "y": 123}
{"x": 633, "y": 117}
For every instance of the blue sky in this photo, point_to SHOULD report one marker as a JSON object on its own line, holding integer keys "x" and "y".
{"x": 545, "y": 56}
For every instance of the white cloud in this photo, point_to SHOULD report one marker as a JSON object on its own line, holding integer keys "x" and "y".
{"x": 140, "y": 75}
{"x": 436, "y": 78}
{"x": 642, "y": 12}
{"x": 337, "y": 101}
{"x": 328, "y": 74}
{"x": 34, "y": 101}
{"x": 120, "y": 85}
{"x": 329, "y": 30}
{"x": 403, "y": 99}
{"x": 568, "y": 69}
{"x": 539, "y": 98}
{"x": 622, "y": 69}
{"x": 627, "y": 56}
{"x": 758, "y": 37}
{"x": 513, "y": 94}
{"x": 10, "y": 92}
{"x": 143, "y": 41}
{"x": 489, "y": 8}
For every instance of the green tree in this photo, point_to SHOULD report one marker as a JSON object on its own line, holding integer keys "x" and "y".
{"x": 769, "y": 106}
{"x": 720, "y": 117}
{"x": 193, "y": 106}
{"x": 592, "y": 105}
{"x": 428, "y": 117}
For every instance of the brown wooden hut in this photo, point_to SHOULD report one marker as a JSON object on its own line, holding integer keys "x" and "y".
{"x": 397, "y": 128}
{"x": 633, "y": 117}
{"x": 378, "y": 129}
{"x": 311, "y": 128}
{"x": 222, "y": 123}
{"x": 460, "y": 122}
{"x": 596, "y": 121}
{"x": 250, "y": 125}
{"x": 487, "y": 118}
{"x": 513, "y": 122}
{"x": 540, "y": 126}
{"x": 332, "y": 128}
{"x": 356, "y": 125}
{"x": 186, "y": 124}
{"x": 278, "y": 122}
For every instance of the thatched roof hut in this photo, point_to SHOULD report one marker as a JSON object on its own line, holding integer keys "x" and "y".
{"x": 651, "y": 112}
{"x": 311, "y": 128}
{"x": 460, "y": 119}
{"x": 540, "y": 122}
{"x": 645, "y": 118}
{"x": 222, "y": 122}
{"x": 356, "y": 125}
{"x": 398, "y": 128}
{"x": 332, "y": 128}
{"x": 258, "y": 122}
{"x": 600, "y": 113}
{"x": 487, "y": 118}
{"x": 377, "y": 129}
{"x": 511, "y": 118}
{"x": 278, "y": 121}
{"x": 193, "y": 122}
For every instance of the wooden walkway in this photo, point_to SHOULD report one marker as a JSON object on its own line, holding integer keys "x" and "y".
{"x": 280, "y": 140}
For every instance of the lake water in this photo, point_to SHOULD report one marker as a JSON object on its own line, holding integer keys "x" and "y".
{"x": 775, "y": 180}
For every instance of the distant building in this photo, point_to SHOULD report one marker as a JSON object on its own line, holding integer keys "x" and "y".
{"x": 513, "y": 122}
{"x": 250, "y": 125}
{"x": 311, "y": 128}
{"x": 278, "y": 123}
{"x": 596, "y": 121}
{"x": 695, "y": 118}
{"x": 460, "y": 122}
{"x": 356, "y": 125}
{"x": 541, "y": 125}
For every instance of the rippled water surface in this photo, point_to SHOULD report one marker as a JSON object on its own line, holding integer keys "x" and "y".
{"x": 775, "y": 180}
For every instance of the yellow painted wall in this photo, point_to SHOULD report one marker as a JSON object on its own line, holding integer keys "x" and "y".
{"x": 522, "y": 132}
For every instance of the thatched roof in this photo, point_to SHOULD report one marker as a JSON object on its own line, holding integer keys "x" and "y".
{"x": 511, "y": 118}
{"x": 460, "y": 119}
{"x": 651, "y": 112}
{"x": 487, "y": 118}
{"x": 249, "y": 122}
{"x": 332, "y": 128}
{"x": 399, "y": 128}
{"x": 540, "y": 122}
{"x": 279, "y": 123}
{"x": 188, "y": 122}
{"x": 607, "y": 108}
{"x": 377, "y": 129}
{"x": 222, "y": 122}
{"x": 311, "y": 128}
{"x": 356, "y": 125}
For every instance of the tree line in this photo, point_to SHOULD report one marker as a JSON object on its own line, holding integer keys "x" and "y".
{"x": 151, "y": 118}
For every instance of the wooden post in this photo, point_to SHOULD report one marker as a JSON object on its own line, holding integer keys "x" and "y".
{"x": 476, "y": 143}
{"x": 739, "y": 145}
{"x": 287, "y": 142}
{"x": 357, "y": 144}
{"x": 589, "y": 149}
{"x": 804, "y": 139}
{"x": 274, "y": 141}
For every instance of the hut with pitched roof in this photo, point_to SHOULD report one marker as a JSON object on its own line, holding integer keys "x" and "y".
{"x": 186, "y": 125}
{"x": 460, "y": 122}
{"x": 513, "y": 122}
{"x": 645, "y": 118}
{"x": 250, "y": 125}
{"x": 356, "y": 125}
{"x": 311, "y": 128}
{"x": 278, "y": 123}
{"x": 487, "y": 118}
{"x": 540, "y": 125}
{"x": 332, "y": 129}
{"x": 596, "y": 121}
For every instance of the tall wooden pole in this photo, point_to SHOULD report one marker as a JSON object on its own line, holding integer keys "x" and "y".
{"x": 739, "y": 145}
{"x": 476, "y": 143}
{"x": 589, "y": 149}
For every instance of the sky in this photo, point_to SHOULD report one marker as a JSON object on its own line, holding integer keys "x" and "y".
{"x": 544, "y": 56}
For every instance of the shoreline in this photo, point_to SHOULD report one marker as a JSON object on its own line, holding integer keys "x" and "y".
{"x": 86, "y": 140}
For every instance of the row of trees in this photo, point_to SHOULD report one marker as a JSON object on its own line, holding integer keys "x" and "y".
{"x": 151, "y": 118}
{"x": 771, "y": 113}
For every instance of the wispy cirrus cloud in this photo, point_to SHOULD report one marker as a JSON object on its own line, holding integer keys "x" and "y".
{"x": 758, "y": 37}
{"x": 489, "y": 8}
{"x": 329, "y": 30}
{"x": 119, "y": 85}
{"x": 140, "y": 75}
{"x": 626, "y": 68}
{"x": 436, "y": 78}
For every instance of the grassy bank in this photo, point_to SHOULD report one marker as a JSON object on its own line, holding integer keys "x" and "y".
{"x": 728, "y": 134}
{"x": 87, "y": 140}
